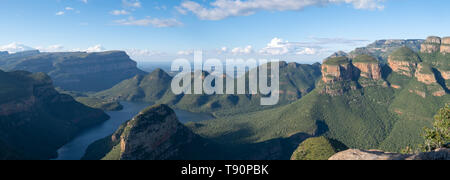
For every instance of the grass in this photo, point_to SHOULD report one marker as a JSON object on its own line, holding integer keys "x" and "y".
{"x": 364, "y": 59}
{"x": 337, "y": 61}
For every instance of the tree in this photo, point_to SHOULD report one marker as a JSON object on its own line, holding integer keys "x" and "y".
{"x": 438, "y": 136}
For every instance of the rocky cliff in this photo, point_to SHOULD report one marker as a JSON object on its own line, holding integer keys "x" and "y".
{"x": 355, "y": 154}
{"x": 404, "y": 61}
{"x": 445, "y": 45}
{"x": 340, "y": 74}
{"x": 76, "y": 71}
{"x": 424, "y": 74}
{"x": 337, "y": 69}
{"x": 35, "y": 120}
{"x": 369, "y": 67}
{"x": 436, "y": 44}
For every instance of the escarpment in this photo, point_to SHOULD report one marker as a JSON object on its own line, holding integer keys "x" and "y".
{"x": 76, "y": 71}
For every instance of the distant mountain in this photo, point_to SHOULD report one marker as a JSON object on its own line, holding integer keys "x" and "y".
{"x": 296, "y": 80}
{"x": 359, "y": 101}
{"x": 35, "y": 120}
{"x": 15, "y": 48}
{"x": 382, "y": 48}
{"x": 77, "y": 71}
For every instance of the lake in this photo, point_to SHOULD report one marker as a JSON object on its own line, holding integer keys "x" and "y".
{"x": 75, "y": 149}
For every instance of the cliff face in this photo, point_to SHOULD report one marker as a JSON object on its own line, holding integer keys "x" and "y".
{"x": 368, "y": 66}
{"x": 77, "y": 71}
{"x": 436, "y": 44}
{"x": 337, "y": 69}
{"x": 35, "y": 120}
{"x": 445, "y": 46}
{"x": 424, "y": 74}
{"x": 340, "y": 74}
{"x": 404, "y": 61}
{"x": 431, "y": 45}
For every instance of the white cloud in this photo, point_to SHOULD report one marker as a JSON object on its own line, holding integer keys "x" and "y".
{"x": 307, "y": 51}
{"x": 69, "y": 9}
{"x": 84, "y": 1}
{"x": 15, "y": 47}
{"x": 221, "y": 9}
{"x": 119, "y": 12}
{"x": 60, "y": 13}
{"x": 132, "y": 3}
{"x": 155, "y": 22}
{"x": 96, "y": 48}
{"x": 245, "y": 50}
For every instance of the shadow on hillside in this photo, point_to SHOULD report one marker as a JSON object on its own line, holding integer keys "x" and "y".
{"x": 385, "y": 72}
{"x": 440, "y": 80}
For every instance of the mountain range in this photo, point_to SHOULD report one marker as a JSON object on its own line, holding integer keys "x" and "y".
{"x": 75, "y": 71}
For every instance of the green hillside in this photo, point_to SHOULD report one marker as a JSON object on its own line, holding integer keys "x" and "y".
{"x": 296, "y": 80}
{"x": 317, "y": 148}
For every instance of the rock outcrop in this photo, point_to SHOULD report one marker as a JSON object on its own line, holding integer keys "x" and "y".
{"x": 368, "y": 66}
{"x": 436, "y": 44}
{"x": 404, "y": 61}
{"x": 424, "y": 74}
{"x": 445, "y": 46}
{"x": 431, "y": 45}
{"x": 355, "y": 154}
{"x": 154, "y": 134}
{"x": 337, "y": 69}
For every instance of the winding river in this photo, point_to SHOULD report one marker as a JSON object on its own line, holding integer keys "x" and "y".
{"x": 75, "y": 149}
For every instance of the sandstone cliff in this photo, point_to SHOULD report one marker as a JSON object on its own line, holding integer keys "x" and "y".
{"x": 424, "y": 74}
{"x": 368, "y": 66}
{"x": 436, "y": 44}
{"x": 337, "y": 69}
{"x": 404, "y": 61}
{"x": 354, "y": 154}
{"x": 431, "y": 45}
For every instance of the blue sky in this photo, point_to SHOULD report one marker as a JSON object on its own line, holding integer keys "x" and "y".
{"x": 150, "y": 30}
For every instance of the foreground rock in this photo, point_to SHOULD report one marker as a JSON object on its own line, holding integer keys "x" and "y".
{"x": 355, "y": 154}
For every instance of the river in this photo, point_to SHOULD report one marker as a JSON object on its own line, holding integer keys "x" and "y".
{"x": 75, "y": 149}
